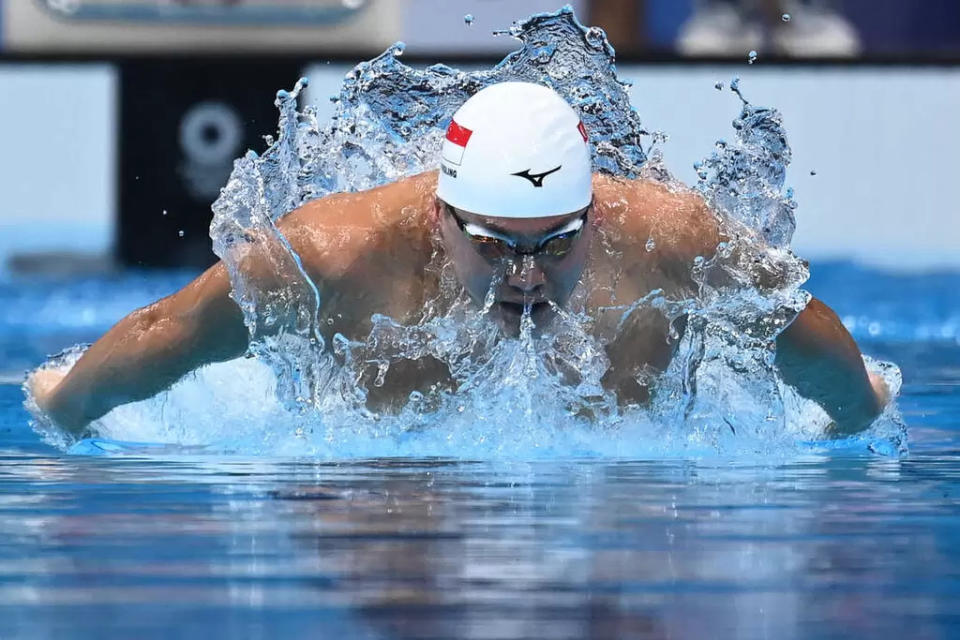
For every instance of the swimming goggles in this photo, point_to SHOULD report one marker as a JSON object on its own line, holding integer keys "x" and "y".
{"x": 494, "y": 245}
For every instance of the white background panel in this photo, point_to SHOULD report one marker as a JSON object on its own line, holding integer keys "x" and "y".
{"x": 57, "y": 169}
{"x": 883, "y": 143}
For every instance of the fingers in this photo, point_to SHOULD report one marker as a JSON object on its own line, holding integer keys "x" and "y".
{"x": 42, "y": 384}
{"x": 881, "y": 389}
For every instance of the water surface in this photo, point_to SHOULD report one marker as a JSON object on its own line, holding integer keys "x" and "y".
{"x": 820, "y": 545}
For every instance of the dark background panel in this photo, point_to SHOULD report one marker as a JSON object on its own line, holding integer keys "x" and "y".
{"x": 182, "y": 126}
{"x": 904, "y": 27}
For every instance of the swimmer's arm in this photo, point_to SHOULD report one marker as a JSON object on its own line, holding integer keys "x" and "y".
{"x": 153, "y": 347}
{"x": 149, "y": 350}
{"x": 817, "y": 356}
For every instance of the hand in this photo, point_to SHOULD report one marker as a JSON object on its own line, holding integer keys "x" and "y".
{"x": 881, "y": 390}
{"x": 43, "y": 384}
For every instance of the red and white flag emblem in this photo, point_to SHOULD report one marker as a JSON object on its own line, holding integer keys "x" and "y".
{"x": 583, "y": 130}
{"x": 457, "y": 139}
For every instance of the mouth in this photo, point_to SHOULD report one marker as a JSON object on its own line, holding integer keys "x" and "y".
{"x": 514, "y": 310}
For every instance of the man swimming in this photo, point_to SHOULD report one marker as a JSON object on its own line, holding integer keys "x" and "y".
{"x": 518, "y": 212}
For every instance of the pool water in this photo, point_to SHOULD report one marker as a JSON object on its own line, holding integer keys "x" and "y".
{"x": 819, "y": 546}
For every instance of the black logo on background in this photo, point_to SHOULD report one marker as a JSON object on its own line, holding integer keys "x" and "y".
{"x": 536, "y": 179}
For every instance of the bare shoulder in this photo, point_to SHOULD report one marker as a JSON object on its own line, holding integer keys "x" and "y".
{"x": 676, "y": 219}
{"x": 397, "y": 203}
{"x": 334, "y": 234}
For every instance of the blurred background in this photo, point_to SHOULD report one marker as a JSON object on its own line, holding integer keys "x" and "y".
{"x": 120, "y": 118}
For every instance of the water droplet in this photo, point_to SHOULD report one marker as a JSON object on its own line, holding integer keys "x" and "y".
{"x": 595, "y": 37}
{"x": 752, "y": 57}
{"x": 468, "y": 18}
{"x": 382, "y": 376}
{"x": 180, "y": 233}
{"x": 651, "y": 244}
{"x": 718, "y": 86}
{"x": 785, "y": 17}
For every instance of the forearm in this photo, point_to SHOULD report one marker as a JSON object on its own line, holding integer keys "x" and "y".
{"x": 148, "y": 351}
{"x": 125, "y": 365}
{"x": 818, "y": 357}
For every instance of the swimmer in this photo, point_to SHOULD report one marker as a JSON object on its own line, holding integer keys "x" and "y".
{"x": 517, "y": 210}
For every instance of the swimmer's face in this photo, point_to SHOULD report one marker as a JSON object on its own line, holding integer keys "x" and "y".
{"x": 526, "y": 261}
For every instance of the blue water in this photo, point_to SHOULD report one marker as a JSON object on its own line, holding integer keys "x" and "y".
{"x": 818, "y": 546}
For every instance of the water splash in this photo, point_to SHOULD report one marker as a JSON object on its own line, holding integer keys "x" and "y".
{"x": 527, "y": 396}
{"x": 744, "y": 180}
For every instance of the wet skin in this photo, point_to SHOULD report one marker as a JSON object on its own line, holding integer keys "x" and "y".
{"x": 374, "y": 252}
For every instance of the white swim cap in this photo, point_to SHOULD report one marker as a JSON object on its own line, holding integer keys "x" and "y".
{"x": 516, "y": 150}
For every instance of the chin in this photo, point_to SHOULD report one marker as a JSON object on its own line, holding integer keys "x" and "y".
{"x": 509, "y": 314}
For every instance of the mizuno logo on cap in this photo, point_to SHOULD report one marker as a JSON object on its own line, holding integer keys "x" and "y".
{"x": 536, "y": 179}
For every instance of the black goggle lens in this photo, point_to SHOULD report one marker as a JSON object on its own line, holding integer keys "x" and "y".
{"x": 493, "y": 248}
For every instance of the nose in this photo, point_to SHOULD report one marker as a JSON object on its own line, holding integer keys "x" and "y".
{"x": 526, "y": 276}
